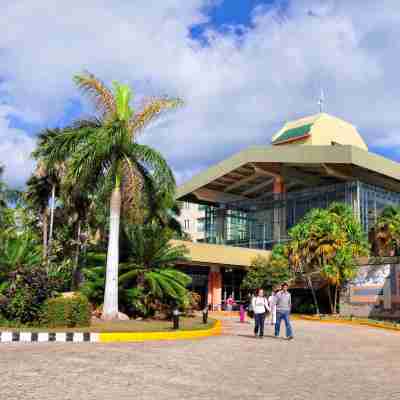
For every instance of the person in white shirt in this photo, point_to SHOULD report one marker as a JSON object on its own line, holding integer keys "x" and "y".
{"x": 272, "y": 306}
{"x": 260, "y": 307}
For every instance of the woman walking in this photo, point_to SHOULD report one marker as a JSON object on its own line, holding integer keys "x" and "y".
{"x": 260, "y": 307}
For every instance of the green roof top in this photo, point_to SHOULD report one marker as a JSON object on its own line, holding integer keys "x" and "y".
{"x": 294, "y": 133}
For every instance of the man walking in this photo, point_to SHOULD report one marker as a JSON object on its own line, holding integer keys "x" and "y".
{"x": 283, "y": 307}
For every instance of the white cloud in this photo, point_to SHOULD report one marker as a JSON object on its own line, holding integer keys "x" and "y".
{"x": 15, "y": 149}
{"x": 238, "y": 89}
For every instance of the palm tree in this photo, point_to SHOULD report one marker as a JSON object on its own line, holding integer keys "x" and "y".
{"x": 49, "y": 173}
{"x": 106, "y": 147}
{"x": 149, "y": 266}
{"x": 76, "y": 205}
{"x": 37, "y": 196}
{"x": 326, "y": 243}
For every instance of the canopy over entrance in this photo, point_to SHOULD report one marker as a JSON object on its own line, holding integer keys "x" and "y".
{"x": 257, "y": 171}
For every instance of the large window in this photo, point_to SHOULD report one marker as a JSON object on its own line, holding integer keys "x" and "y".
{"x": 261, "y": 224}
{"x": 201, "y": 225}
{"x": 372, "y": 201}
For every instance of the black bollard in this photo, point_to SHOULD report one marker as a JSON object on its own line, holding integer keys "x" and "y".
{"x": 205, "y": 315}
{"x": 175, "y": 318}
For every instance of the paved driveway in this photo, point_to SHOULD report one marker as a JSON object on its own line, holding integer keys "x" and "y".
{"x": 323, "y": 362}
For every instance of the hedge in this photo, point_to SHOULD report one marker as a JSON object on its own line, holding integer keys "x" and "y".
{"x": 66, "y": 312}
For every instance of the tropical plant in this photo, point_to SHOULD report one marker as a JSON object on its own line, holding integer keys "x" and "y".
{"x": 94, "y": 275}
{"x": 25, "y": 292}
{"x": 148, "y": 275}
{"x": 164, "y": 210}
{"x": 387, "y": 232}
{"x": 148, "y": 281}
{"x": 327, "y": 243}
{"x": 19, "y": 251}
{"x": 268, "y": 273}
{"x": 106, "y": 148}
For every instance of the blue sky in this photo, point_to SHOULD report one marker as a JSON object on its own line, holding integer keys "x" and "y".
{"x": 244, "y": 67}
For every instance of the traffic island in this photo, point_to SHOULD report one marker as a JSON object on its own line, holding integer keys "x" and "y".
{"x": 113, "y": 334}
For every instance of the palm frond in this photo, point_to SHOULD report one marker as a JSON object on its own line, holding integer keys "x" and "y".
{"x": 154, "y": 161}
{"x": 150, "y": 111}
{"x": 97, "y": 91}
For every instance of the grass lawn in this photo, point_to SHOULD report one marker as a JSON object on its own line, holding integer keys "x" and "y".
{"x": 123, "y": 326}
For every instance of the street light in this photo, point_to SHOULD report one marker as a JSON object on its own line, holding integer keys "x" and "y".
{"x": 175, "y": 317}
{"x": 205, "y": 314}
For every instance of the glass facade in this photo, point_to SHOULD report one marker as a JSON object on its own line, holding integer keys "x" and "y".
{"x": 200, "y": 225}
{"x": 262, "y": 223}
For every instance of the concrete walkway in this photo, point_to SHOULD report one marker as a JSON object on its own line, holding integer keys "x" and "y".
{"x": 324, "y": 361}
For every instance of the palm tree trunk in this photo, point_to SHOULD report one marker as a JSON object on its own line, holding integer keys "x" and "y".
{"x": 313, "y": 294}
{"x": 110, "y": 308}
{"x": 53, "y": 199}
{"x": 76, "y": 277}
{"x": 45, "y": 222}
{"x": 330, "y": 298}
{"x": 336, "y": 296}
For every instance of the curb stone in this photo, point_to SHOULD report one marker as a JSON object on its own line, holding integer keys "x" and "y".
{"x": 62, "y": 337}
{"x": 107, "y": 337}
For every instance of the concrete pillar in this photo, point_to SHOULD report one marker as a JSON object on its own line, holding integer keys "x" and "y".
{"x": 279, "y": 186}
{"x": 280, "y": 212}
{"x": 215, "y": 288}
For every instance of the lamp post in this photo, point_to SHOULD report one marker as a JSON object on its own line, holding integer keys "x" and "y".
{"x": 205, "y": 314}
{"x": 175, "y": 317}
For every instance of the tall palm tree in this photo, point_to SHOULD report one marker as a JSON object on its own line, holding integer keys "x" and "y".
{"x": 49, "y": 171}
{"x": 76, "y": 205}
{"x": 37, "y": 196}
{"x": 106, "y": 147}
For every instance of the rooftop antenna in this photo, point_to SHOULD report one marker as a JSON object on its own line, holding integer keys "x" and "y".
{"x": 321, "y": 101}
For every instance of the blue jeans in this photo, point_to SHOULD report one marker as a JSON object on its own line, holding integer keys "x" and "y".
{"x": 259, "y": 320}
{"x": 283, "y": 315}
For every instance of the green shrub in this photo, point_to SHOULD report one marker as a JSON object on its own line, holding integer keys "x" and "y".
{"x": 70, "y": 312}
{"x": 25, "y": 292}
{"x": 306, "y": 308}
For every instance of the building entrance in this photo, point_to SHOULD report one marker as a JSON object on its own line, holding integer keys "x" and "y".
{"x": 231, "y": 281}
{"x": 199, "y": 282}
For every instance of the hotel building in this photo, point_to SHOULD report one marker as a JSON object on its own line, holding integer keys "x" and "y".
{"x": 253, "y": 198}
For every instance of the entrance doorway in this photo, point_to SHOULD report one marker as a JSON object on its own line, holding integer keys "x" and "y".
{"x": 199, "y": 282}
{"x": 231, "y": 281}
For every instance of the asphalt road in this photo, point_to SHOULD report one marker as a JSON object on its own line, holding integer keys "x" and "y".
{"x": 324, "y": 361}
